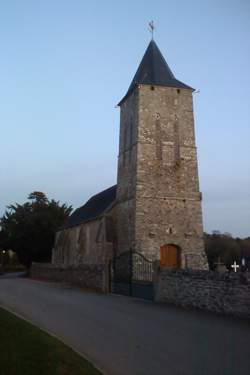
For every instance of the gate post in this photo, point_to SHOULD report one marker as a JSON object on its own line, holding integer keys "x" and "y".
{"x": 110, "y": 275}
{"x": 130, "y": 272}
{"x": 156, "y": 274}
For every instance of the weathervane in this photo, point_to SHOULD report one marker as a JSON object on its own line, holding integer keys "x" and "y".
{"x": 152, "y": 28}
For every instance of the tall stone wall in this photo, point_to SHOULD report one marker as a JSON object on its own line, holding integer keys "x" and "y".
{"x": 226, "y": 293}
{"x": 158, "y": 188}
{"x": 168, "y": 201}
{"x": 126, "y": 176}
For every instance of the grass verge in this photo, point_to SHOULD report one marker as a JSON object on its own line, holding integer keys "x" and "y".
{"x": 27, "y": 350}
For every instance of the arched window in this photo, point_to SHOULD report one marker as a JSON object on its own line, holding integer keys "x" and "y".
{"x": 170, "y": 256}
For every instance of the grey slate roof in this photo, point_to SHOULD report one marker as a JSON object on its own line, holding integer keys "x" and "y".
{"x": 154, "y": 70}
{"x": 93, "y": 208}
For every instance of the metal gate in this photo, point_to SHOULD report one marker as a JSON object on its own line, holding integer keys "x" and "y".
{"x": 131, "y": 274}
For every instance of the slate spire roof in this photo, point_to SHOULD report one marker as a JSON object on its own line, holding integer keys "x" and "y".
{"x": 154, "y": 70}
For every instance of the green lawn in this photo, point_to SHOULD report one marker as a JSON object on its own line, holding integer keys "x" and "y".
{"x": 26, "y": 350}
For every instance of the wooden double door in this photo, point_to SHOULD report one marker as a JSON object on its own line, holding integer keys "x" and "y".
{"x": 170, "y": 256}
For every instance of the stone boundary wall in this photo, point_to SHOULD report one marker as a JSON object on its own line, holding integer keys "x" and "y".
{"x": 226, "y": 293}
{"x": 86, "y": 276}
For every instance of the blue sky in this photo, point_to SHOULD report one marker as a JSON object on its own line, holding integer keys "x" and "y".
{"x": 65, "y": 65}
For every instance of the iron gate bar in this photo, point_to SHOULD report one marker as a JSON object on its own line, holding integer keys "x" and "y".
{"x": 143, "y": 270}
{"x": 131, "y": 273}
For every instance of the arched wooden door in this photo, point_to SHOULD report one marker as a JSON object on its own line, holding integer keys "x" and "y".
{"x": 170, "y": 256}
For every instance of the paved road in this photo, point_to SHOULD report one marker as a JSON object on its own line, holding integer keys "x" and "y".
{"x": 125, "y": 336}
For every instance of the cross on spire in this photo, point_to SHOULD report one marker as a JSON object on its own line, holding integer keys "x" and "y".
{"x": 152, "y": 28}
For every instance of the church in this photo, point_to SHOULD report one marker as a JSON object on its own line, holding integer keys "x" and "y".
{"x": 155, "y": 207}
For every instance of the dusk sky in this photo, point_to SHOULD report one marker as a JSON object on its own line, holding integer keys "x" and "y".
{"x": 66, "y": 64}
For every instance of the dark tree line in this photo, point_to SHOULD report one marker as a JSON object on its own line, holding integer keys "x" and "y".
{"x": 226, "y": 248}
{"x": 29, "y": 229}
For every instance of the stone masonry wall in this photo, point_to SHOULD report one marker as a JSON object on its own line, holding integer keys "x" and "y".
{"x": 168, "y": 201}
{"x": 126, "y": 176}
{"x": 227, "y": 293}
{"x": 86, "y": 276}
{"x": 86, "y": 243}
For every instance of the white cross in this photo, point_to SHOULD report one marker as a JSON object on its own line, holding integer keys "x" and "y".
{"x": 235, "y": 266}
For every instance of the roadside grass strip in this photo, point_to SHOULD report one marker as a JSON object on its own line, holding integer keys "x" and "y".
{"x": 27, "y": 350}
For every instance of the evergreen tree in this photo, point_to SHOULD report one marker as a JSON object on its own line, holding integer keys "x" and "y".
{"x": 29, "y": 229}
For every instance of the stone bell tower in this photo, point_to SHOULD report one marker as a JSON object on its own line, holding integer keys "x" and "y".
{"x": 158, "y": 197}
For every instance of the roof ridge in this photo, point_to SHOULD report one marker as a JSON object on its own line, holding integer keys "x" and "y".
{"x": 101, "y": 192}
